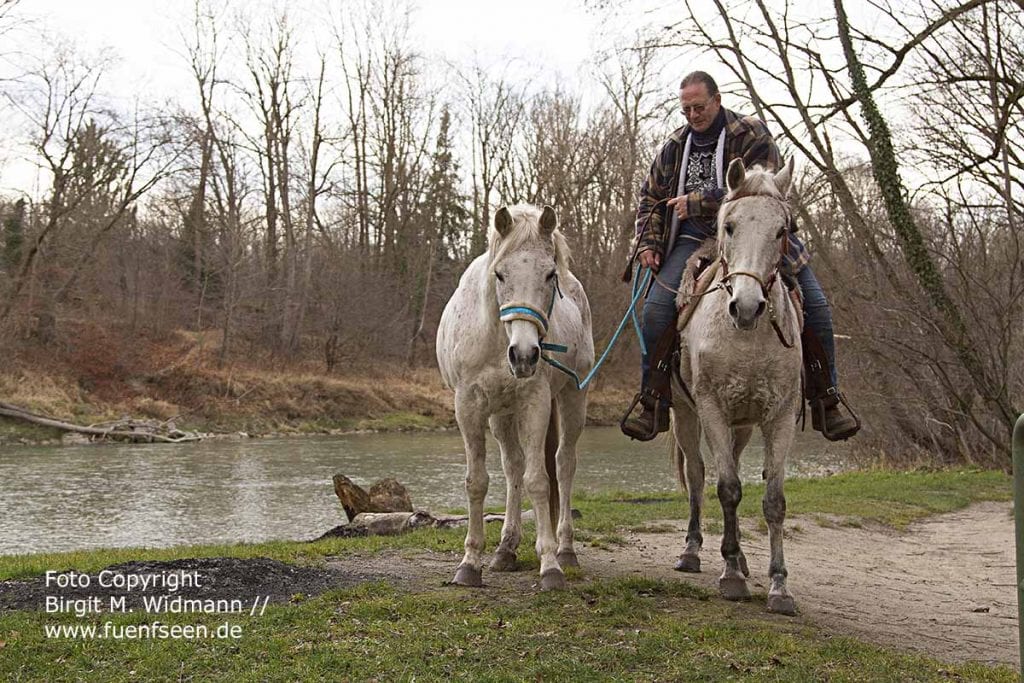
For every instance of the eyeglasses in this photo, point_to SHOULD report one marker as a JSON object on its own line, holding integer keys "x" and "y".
{"x": 695, "y": 108}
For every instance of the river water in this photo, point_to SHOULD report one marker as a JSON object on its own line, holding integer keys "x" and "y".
{"x": 56, "y": 498}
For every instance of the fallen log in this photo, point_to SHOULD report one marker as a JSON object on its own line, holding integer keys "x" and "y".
{"x": 394, "y": 523}
{"x": 127, "y": 430}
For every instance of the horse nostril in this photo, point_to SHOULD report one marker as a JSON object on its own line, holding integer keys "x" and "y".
{"x": 760, "y": 310}
{"x": 512, "y": 355}
{"x": 733, "y": 311}
{"x": 535, "y": 355}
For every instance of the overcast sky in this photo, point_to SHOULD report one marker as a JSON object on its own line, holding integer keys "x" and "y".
{"x": 551, "y": 41}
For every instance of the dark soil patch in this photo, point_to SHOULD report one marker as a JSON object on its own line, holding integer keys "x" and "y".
{"x": 218, "y": 578}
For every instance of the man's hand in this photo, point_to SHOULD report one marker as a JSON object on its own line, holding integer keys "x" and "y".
{"x": 679, "y": 204}
{"x": 650, "y": 259}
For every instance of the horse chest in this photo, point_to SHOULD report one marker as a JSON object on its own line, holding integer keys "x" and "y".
{"x": 743, "y": 383}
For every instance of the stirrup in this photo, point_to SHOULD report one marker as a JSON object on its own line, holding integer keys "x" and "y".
{"x": 658, "y": 410}
{"x": 818, "y": 415}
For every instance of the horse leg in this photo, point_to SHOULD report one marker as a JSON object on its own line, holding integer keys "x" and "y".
{"x": 504, "y": 429}
{"x": 777, "y": 442}
{"x": 470, "y": 416}
{"x": 732, "y": 583}
{"x": 532, "y": 423}
{"x": 741, "y": 437}
{"x": 690, "y": 474}
{"x": 572, "y": 414}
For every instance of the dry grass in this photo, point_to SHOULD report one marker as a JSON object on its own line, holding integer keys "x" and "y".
{"x": 103, "y": 373}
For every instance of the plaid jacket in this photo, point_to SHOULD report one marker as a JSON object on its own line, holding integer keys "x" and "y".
{"x": 747, "y": 138}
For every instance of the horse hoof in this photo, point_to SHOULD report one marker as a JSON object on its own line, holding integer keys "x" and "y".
{"x": 734, "y": 588}
{"x": 567, "y": 558}
{"x": 688, "y": 563}
{"x": 465, "y": 575}
{"x": 504, "y": 561}
{"x": 553, "y": 580}
{"x": 782, "y": 604}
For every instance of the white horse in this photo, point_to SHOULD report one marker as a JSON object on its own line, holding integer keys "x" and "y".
{"x": 741, "y": 374}
{"x": 512, "y": 297}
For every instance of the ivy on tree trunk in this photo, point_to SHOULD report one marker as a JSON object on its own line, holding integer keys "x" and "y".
{"x": 886, "y": 172}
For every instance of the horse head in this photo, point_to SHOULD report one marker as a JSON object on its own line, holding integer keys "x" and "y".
{"x": 752, "y": 226}
{"x": 527, "y": 254}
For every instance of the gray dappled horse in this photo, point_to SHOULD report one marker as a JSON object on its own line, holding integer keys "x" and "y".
{"x": 741, "y": 374}
{"x": 512, "y": 297}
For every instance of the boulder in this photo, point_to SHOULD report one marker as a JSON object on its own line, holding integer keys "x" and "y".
{"x": 387, "y": 495}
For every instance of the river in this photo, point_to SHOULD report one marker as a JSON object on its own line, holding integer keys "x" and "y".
{"x": 57, "y": 498}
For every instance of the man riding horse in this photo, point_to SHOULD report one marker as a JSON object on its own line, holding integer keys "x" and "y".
{"x": 678, "y": 206}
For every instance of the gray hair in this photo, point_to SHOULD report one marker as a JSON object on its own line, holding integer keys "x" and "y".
{"x": 695, "y": 77}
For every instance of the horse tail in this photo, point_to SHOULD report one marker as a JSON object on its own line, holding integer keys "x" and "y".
{"x": 550, "y": 449}
{"x": 677, "y": 458}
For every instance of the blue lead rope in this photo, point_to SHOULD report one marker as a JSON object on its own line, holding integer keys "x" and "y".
{"x": 639, "y": 287}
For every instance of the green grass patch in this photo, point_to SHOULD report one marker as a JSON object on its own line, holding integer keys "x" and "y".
{"x": 886, "y": 497}
{"x": 624, "y": 629}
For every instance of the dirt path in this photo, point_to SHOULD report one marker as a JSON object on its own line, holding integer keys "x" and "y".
{"x": 945, "y": 586}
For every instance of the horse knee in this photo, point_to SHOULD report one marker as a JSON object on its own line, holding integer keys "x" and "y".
{"x": 537, "y": 485}
{"x": 476, "y": 485}
{"x": 730, "y": 493}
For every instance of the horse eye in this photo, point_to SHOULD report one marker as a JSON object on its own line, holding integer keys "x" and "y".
{"x": 781, "y": 232}
{"x": 501, "y": 278}
{"x": 728, "y": 229}
{"x": 550, "y": 276}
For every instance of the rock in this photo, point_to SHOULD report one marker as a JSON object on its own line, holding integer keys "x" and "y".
{"x": 389, "y": 496}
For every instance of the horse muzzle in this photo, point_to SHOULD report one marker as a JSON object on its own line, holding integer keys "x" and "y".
{"x": 522, "y": 359}
{"x": 746, "y": 311}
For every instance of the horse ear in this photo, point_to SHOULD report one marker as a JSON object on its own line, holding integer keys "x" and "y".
{"x": 784, "y": 178}
{"x": 503, "y": 221}
{"x": 735, "y": 175}
{"x": 548, "y": 221}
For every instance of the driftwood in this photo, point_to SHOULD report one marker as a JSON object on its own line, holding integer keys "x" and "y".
{"x": 126, "y": 430}
{"x": 394, "y": 523}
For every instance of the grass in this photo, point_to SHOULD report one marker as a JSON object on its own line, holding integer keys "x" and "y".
{"x": 612, "y": 629}
{"x": 621, "y": 629}
{"x": 884, "y": 497}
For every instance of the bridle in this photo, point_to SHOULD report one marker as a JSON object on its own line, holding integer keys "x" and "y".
{"x": 766, "y": 283}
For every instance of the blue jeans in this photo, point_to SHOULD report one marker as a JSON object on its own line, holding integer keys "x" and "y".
{"x": 659, "y": 307}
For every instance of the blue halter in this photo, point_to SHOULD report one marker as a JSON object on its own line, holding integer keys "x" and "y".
{"x": 529, "y": 314}
{"x": 522, "y": 312}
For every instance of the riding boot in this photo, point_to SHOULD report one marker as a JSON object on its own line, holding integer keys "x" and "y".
{"x": 655, "y": 395}
{"x": 651, "y": 421}
{"x": 823, "y": 396}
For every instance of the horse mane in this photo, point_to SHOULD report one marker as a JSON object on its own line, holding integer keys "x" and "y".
{"x": 525, "y": 228}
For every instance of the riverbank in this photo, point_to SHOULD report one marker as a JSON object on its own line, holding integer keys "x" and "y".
{"x": 180, "y": 378}
{"x": 376, "y": 607}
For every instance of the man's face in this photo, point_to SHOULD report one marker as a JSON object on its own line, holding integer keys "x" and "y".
{"x": 699, "y": 108}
